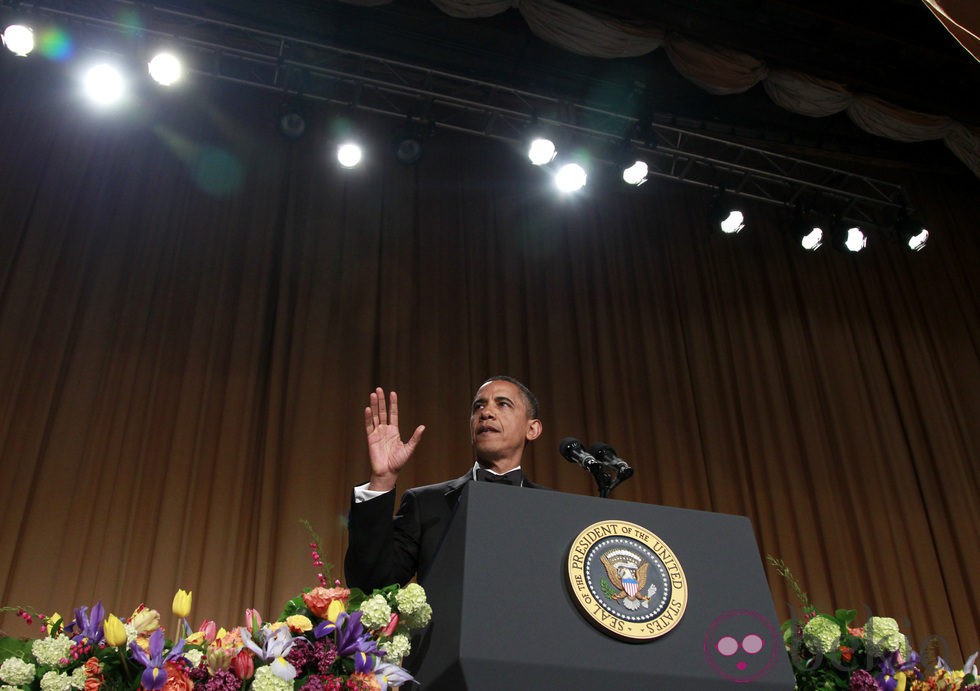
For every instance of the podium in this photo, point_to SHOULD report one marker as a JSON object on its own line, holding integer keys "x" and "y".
{"x": 506, "y": 615}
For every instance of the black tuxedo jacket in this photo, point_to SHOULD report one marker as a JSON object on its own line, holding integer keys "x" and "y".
{"x": 383, "y": 550}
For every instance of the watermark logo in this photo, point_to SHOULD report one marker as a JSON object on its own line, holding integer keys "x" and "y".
{"x": 742, "y": 645}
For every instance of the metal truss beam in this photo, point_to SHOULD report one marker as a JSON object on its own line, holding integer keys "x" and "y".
{"x": 265, "y": 59}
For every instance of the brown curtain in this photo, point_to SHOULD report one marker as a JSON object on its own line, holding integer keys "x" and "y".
{"x": 193, "y": 311}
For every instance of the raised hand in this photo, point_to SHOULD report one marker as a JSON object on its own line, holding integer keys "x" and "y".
{"x": 387, "y": 451}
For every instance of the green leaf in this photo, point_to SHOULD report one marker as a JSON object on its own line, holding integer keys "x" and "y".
{"x": 15, "y": 647}
{"x": 845, "y": 616}
{"x": 357, "y": 596}
{"x": 294, "y": 606}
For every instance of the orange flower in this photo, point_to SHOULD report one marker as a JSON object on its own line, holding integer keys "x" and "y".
{"x": 846, "y": 653}
{"x": 177, "y": 679}
{"x": 318, "y": 600}
{"x": 93, "y": 675}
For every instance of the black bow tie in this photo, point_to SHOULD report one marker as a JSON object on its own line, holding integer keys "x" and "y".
{"x": 514, "y": 477}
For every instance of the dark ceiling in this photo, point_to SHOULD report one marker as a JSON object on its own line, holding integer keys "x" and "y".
{"x": 893, "y": 49}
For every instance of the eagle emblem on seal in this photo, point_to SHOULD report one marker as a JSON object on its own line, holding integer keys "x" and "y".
{"x": 627, "y": 572}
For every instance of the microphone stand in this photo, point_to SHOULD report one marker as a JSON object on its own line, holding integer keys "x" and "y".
{"x": 603, "y": 480}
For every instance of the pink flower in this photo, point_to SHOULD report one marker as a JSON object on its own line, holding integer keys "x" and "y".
{"x": 392, "y": 625}
{"x": 253, "y": 620}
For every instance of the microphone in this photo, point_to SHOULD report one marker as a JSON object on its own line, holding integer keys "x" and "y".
{"x": 573, "y": 452}
{"x": 606, "y": 455}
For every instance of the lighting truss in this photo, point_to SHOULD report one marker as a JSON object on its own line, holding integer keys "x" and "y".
{"x": 265, "y": 59}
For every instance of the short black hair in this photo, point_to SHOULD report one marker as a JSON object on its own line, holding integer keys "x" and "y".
{"x": 530, "y": 400}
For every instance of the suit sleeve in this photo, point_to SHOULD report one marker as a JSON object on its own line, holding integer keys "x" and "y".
{"x": 382, "y": 550}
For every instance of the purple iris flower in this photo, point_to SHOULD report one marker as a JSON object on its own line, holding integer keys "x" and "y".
{"x": 155, "y": 676}
{"x": 273, "y": 650}
{"x": 352, "y": 640}
{"x": 892, "y": 665}
{"x": 390, "y": 675}
{"x": 89, "y": 627}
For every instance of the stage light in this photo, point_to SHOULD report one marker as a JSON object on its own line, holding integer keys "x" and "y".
{"x": 18, "y": 39}
{"x": 725, "y": 216}
{"x": 636, "y": 174}
{"x": 807, "y": 230}
{"x": 408, "y": 149}
{"x": 541, "y": 151}
{"x": 912, "y": 233}
{"x": 571, "y": 177}
{"x": 349, "y": 154}
{"x": 812, "y": 239}
{"x": 850, "y": 238}
{"x": 165, "y": 68}
{"x": 291, "y": 125}
{"x": 104, "y": 85}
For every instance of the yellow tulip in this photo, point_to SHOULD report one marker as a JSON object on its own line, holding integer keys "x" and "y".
{"x": 55, "y": 623}
{"x": 334, "y": 610}
{"x": 182, "y": 603}
{"x": 115, "y": 632}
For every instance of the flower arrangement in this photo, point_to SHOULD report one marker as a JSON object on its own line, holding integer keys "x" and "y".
{"x": 326, "y": 639}
{"x": 829, "y": 652}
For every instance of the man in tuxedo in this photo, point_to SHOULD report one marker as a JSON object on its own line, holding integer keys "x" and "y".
{"x": 383, "y": 550}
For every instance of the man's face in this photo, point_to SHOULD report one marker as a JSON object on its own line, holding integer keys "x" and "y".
{"x": 499, "y": 422}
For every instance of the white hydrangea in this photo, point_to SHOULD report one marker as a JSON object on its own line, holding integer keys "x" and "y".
{"x": 375, "y": 612}
{"x": 78, "y": 677}
{"x": 266, "y": 680}
{"x": 418, "y": 619}
{"x": 131, "y": 633}
{"x": 8, "y": 687}
{"x": 55, "y": 681}
{"x": 51, "y": 651}
{"x": 882, "y": 636}
{"x": 410, "y": 599}
{"x": 398, "y": 647}
{"x": 16, "y": 672}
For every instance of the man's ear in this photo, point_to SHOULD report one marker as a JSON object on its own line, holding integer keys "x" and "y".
{"x": 534, "y": 429}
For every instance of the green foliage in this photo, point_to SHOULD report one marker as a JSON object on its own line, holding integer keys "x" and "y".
{"x": 294, "y": 607}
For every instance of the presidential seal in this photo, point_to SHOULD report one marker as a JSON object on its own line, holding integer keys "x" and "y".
{"x": 626, "y": 580}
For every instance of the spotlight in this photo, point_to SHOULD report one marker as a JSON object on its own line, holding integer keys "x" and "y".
{"x": 408, "y": 149}
{"x": 725, "y": 216}
{"x": 636, "y": 174}
{"x": 291, "y": 123}
{"x": 849, "y": 237}
{"x": 18, "y": 39}
{"x": 807, "y": 231}
{"x": 911, "y": 232}
{"x": 541, "y": 151}
{"x": 409, "y": 138}
{"x": 571, "y": 177}
{"x": 349, "y": 154}
{"x": 165, "y": 68}
{"x": 104, "y": 85}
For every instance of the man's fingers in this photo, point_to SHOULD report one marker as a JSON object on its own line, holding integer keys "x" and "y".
{"x": 416, "y": 438}
{"x": 393, "y": 409}
{"x": 379, "y": 394}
